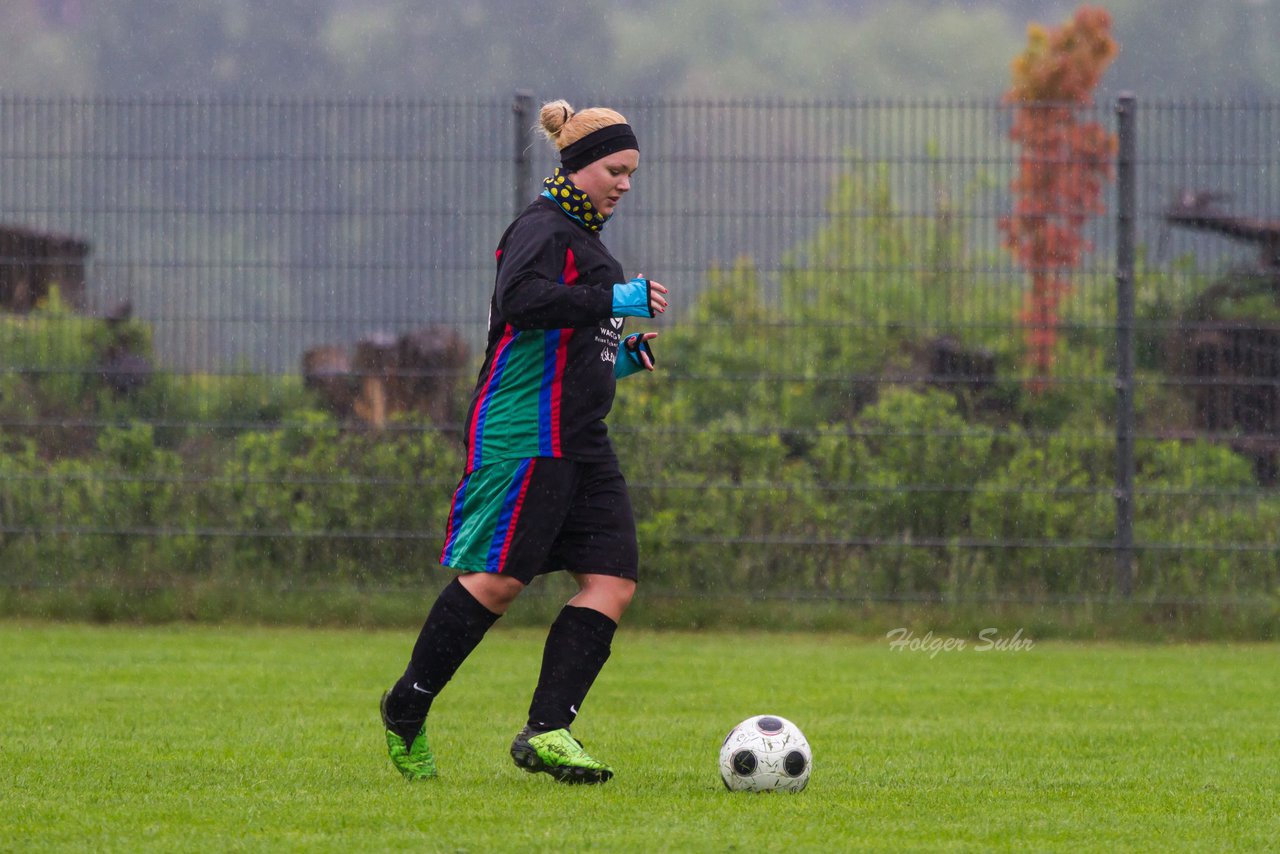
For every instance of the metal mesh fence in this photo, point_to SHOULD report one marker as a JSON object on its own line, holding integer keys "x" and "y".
{"x": 238, "y": 336}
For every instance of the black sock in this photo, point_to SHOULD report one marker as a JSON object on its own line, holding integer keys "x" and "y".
{"x": 577, "y": 648}
{"x": 456, "y": 624}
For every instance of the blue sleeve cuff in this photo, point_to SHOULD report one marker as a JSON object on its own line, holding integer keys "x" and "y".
{"x": 631, "y": 299}
{"x": 628, "y": 361}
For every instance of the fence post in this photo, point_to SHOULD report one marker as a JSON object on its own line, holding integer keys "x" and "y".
{"x": 522, "y": 107}
{"x": 1126, "y": 226}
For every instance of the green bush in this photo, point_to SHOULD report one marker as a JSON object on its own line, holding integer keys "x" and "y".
{"x": 1203, "y": 523}
{"x": 315, "y": 499}
{"x": 122, "y": 513}
{"x": 901, "y": 475}
{"x": 1048, "y": 514}
{"x": 50, "y": 362}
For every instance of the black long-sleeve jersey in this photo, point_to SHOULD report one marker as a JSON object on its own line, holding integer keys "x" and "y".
{"x": 547, "y": 381}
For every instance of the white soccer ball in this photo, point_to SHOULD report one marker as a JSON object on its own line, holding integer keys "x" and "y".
{"x": 765, "y": 753}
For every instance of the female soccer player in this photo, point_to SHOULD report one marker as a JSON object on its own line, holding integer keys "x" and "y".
{"x": 541, "y": 490}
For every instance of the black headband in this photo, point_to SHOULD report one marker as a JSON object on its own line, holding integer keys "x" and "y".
{"x": 597, "y": 144}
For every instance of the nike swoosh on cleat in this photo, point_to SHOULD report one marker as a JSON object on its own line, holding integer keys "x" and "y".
{"x": 419, "y": 689}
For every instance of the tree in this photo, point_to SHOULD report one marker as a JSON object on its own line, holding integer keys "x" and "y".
{"x": 1062, "y": 166}
{"x": 478, "y": 48}
{"x": 212, "y": 47}
{"x": 37, "y": 57}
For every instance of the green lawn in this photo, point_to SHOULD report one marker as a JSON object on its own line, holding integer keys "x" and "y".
{"x": 194, "y": 738}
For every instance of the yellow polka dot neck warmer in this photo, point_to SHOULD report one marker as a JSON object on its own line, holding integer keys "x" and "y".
{"x": 573, "y": 201}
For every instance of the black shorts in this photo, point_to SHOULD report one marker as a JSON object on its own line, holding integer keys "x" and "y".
{"x": 531, "y": 516}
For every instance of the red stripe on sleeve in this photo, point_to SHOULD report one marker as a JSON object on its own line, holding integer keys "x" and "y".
{"x": 570, "y": 276}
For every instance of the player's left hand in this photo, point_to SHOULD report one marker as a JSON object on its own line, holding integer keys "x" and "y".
{"x": 633, "y": 343}
{"x": 657, "y": 297}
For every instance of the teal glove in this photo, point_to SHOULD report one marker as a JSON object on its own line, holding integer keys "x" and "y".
{"x": 628, "y": 361}
{"x": 631, "y": 299}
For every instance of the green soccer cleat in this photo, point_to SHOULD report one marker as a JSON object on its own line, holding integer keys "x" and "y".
{"x": 414, "y": 761}
{"x": 559, "y": 754}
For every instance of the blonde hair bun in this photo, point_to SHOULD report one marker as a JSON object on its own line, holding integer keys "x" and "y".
{"x": 554, "y": 116}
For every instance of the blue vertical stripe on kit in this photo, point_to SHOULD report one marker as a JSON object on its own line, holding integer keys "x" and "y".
{"x": 455, "y": 522}
{"x": 507, "y": 517}
{"x": 550, "y": 348}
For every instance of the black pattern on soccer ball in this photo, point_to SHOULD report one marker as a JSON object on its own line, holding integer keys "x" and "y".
{"x": 744, "y": 763}
{"x": 769, "y": 726}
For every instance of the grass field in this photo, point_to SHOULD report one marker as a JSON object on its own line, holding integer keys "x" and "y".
{"x": 233, "y": 738}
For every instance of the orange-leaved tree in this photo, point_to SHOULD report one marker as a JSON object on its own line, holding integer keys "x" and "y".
{"x": 1062, "y": 166}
